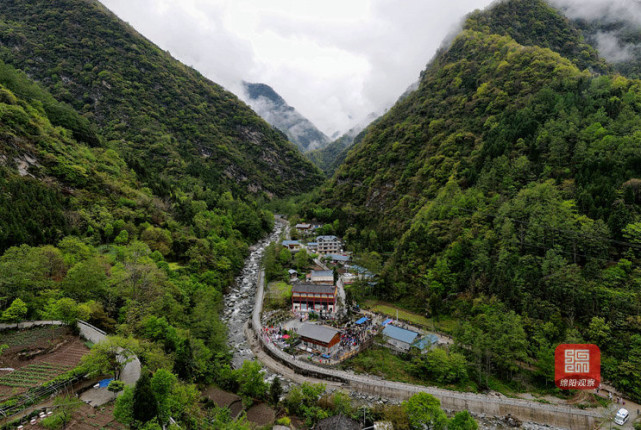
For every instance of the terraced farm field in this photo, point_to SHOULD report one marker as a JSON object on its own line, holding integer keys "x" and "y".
{"x": 36, "y": 356}
{"x": 89, "y": 418}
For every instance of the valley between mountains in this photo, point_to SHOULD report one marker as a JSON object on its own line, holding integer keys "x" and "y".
{"x": 419, "y": 270}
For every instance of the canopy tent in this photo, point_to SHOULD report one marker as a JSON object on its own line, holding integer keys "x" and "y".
{"x": 362, "y": 320}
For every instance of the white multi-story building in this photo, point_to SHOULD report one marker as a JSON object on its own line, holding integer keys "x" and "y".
{"x": 329, "y": 245}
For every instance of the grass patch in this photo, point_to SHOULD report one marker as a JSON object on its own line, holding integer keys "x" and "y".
{"x": 278, "y": 295}
{"x": 444, "y": 324}
{"x": 380, "y": 361}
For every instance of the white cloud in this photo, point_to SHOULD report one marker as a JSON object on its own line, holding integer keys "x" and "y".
{"x": 606, "y": 10}
{"x": 335, "y": 61}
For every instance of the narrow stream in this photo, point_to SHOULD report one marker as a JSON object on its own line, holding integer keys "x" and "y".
{"x": 239, "y": 300}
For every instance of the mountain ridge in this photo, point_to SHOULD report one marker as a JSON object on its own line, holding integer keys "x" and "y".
{"x": 275, "y": 110}
{"x": 209, "y": 134}
{"x": 507, "y": 184}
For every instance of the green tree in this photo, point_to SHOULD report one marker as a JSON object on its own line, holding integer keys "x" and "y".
{"x": 162, "y": 384}
{"x": 301, "y": 260}
{"x": 122, "y": 238}
{"x": 284, "y": 256}
{"x": 251, "y": 380}
{"x": 123, "y": 410}
{"x": 66, "y": 310}
{"x": 15, "y": 312}
{"x": 599, "y": 332}
{"x": 462, "y": 421}
{"x": 157, "y": 239}
{"x": 275, "y": 391}
{"x": 86, "y": 280}
{"x": 144, "y": 405}
{"x": 184, "y": 364}
{"x": 110, "y": 356}
{"x": 629, "y": 370}
{"x": 115, "y": 386}
{"x": 424, "y": 411}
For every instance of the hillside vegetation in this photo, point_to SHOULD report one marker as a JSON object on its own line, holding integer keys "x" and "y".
{"x": 506, "y": 190}
{"x": 173, "y": 126}
{"x": 130, "y": 190}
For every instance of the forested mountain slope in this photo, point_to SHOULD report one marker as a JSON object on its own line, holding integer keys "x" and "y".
{"x": 173, "y": 126}
{"x": 330, "y": 157}
{"x": 275, "y": 110}
{"x": 512, "y": 172}
{"x": 130, "y": 191}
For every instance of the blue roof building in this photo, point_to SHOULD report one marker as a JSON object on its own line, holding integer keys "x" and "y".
{"x": 338, "y": 258}
{"x": 399, "y": 337}
{"x": 426, "y": 342}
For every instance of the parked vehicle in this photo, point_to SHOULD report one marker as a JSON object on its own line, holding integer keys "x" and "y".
{"x": 622, "y": 416}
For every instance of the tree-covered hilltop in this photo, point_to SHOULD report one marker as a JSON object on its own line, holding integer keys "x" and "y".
{"x": 173, "y": 126}
{"x": 82, "y": 238}
{"x": 535, "y": 23}
{"x": 509, "y": 183}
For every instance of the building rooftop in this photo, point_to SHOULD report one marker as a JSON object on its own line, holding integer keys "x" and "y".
{"x": 290, "y": 242}
{"x": 399, "y": 334}
{"x": 303, "y": 225}
{"x": 322, "y": 273}
{"x": 317, "y": 332}
{"x": 313, "y": 288}
{"x": 338, "y": 257}
{"x": 426, "y": 342}
{"x": 326, "y": 238}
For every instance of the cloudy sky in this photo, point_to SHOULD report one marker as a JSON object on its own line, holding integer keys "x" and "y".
{"x": 335, "y": 61}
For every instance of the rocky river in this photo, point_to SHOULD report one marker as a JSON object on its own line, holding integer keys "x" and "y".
{"x": 239, "y": 300}
{"x": 239, "y": 304}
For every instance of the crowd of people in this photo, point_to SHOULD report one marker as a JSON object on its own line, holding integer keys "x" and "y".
{"x": 354, "y": 335}
{"x": 276, "y": 335}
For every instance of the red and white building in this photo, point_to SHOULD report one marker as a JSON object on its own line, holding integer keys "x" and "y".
{"x": 313, "y": 298}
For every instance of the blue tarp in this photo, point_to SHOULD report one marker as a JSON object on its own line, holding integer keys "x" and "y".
{"x": 105, "y": 382}
{"x": 361, "y": 321}
{"x": 387, "y": 321}
{"x": 325, "y": 356}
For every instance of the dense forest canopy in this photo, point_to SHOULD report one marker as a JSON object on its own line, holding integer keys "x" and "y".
{"x": 509, "y": 181}
{"x": 173, "y": 126}
{"x": 130, "y": 190}
{"x": 504, "y": 193}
